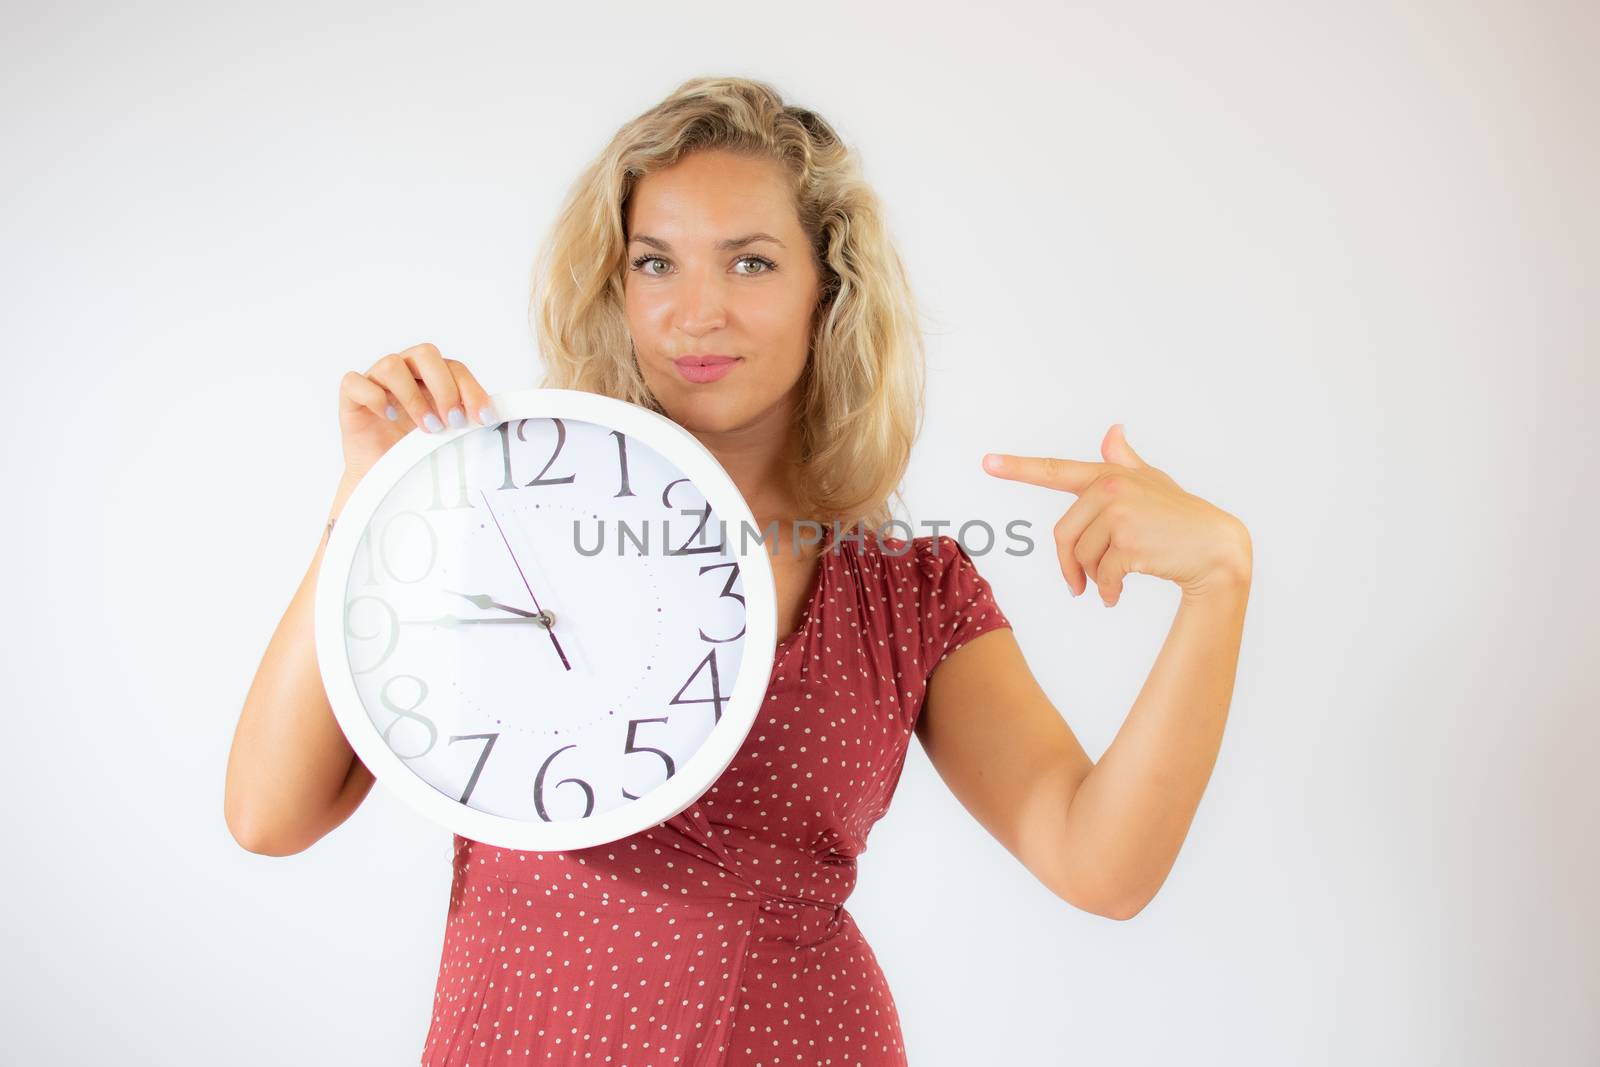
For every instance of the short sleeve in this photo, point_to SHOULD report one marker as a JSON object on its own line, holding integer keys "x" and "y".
{"x": 956, "y": 601}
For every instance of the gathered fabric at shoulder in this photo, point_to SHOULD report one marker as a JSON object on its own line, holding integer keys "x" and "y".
{"x": 956, "y": 602}
{"x": 933, "y": 554}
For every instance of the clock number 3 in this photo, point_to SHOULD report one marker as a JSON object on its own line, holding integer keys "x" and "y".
{"x": 727, "y": 591}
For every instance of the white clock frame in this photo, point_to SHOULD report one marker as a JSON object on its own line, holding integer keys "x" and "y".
{"x": 698, "y": 772}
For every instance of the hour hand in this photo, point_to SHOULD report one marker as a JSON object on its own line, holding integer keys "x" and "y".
{"x": 482, "y": 600}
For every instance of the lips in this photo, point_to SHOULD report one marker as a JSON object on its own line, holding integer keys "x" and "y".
{"x": 701, "y": 369}
{"x": 704, "y": 361}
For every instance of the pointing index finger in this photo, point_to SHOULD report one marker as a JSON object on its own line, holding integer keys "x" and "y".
{"x": 1070, "y": 475}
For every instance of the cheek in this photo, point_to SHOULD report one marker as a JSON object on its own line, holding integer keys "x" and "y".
{"x": 785, "y": 322}
{"x": 643, "y": 309}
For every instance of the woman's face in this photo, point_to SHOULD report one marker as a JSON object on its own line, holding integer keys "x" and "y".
{"x": 719, "y": 266}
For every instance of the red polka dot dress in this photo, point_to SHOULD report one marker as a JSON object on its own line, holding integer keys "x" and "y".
{"x": 720, "y": 937}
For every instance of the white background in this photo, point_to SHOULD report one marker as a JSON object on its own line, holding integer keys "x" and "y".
{"x": 1333, "y": 265}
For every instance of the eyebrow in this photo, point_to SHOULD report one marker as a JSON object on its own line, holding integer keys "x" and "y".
{"x": 725, "y": 245}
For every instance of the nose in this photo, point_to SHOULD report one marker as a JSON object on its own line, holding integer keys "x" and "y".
{"x": 702, "y": 304}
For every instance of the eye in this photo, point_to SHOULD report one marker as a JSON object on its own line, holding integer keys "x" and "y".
{"x": 641, "y": 260}
{"x": 767, "y": 266}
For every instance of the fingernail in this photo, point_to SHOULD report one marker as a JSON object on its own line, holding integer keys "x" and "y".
{"x": 392, "y": 413}
{"x": 485, "y": 415}
{"x": 431, "y": 421}
{"x": 458, "y": 418}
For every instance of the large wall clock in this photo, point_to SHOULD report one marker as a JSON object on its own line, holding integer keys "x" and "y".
{"x": 550, "y": 633}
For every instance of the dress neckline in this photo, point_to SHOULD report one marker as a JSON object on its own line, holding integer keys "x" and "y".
{"x": 809, "y": 612}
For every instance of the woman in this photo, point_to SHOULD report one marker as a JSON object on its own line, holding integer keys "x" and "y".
{"x": 724, "y": 227}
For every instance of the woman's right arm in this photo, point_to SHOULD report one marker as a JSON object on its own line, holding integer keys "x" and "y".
{"x": 292, "y": 777}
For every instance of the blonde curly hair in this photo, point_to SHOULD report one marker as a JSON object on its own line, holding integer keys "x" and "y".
{"x": 863, "y": 385}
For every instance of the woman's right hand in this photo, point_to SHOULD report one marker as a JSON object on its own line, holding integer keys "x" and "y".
{"x": 402, "y": 391}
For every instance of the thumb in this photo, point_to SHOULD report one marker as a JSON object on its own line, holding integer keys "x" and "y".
{"x": 1116, "y": 449}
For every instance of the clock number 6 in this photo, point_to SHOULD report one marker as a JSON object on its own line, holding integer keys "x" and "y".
{"x": 538, "y": 787}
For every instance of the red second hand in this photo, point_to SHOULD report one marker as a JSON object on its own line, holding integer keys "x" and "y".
{"x": 551, "y": 630}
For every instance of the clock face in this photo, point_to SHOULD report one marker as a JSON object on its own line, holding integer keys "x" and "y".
{"x": 543, "y": 623}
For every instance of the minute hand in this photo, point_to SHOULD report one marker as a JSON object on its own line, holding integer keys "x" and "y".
{"x": 549, "y": 630}
{"x": 455, "y": 620}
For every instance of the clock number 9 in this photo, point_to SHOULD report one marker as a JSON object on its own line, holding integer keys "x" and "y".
{"x": 392, "y": 629}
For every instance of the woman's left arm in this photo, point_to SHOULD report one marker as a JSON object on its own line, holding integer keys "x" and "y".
{"x": 1129, "y": 815}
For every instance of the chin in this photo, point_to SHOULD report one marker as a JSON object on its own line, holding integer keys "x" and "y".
{"x": 720, "y": 408}
{"x": 707, "y": 414}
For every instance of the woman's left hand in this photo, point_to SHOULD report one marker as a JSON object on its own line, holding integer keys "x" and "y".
{"x": 1131, "y": 518}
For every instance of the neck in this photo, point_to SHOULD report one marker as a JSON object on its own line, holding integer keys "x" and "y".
{"x": 761, "y": 458}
